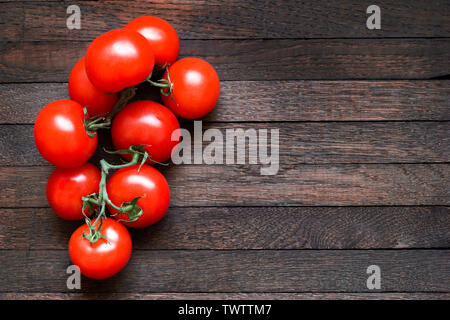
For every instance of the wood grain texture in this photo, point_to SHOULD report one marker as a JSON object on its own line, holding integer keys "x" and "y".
{"x": 364, "y": 153}
{"x": 330, "y": 59}
{"x": 237, "y": 19}
{"x": 294, "y": 185}
{"x": 225, "y": 296}
{"x": 236, "y": 271}
{"x": 299, "y": 143}
{"x": 275, "y": 100}
{"x": 223, "y": 228}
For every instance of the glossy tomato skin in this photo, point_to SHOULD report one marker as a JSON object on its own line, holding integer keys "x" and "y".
{"x": 149, "y": 123}
{"x": 119, "y": 59}
{"x": 65, "y": 187}
{"x": 85, "y": 93}
{"x": 148, "y": 183}
{"x": 101, "y": 259}
{"x": 60, "y": 135}
{"x": 161, "y": 35}
{"x": 196, "y": 88}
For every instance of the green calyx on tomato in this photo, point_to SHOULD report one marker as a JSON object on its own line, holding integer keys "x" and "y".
{"x": 189, "y": 75}
{"x": 103, "y": 259}
{"x": 92, "y": 124}
{"x": 66, "y": 186}
{"x": 101, "y": 199}
{"x": 146, "y": 123}
{"x": 60, "y": 134}
{"x": 183, "y": 77}
{"x": 165, "y": 85}
{"x": 101, "y": 85}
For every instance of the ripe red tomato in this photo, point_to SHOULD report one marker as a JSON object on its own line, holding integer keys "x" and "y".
{"x": 161, "y": 35}
{"x": 196, "y": 88}
{"x": 127, "y": 184}
{"x": 60, "y": 135}
{"x": 146, "y": 122}
{"x": 119, "y": 59}
{"x": 65, "y": 187}
{"x": 101, "y": 259}
{"x": 85, "y": 93}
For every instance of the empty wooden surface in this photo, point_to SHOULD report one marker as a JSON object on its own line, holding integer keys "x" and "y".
{"x": 238, "y": 271}
{"x": 364, "y": 159}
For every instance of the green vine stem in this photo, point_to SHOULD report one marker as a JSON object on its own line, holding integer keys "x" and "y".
{"x": 101, "y": 200}
{"x": 94, "y": 123}
{"x": 97, "y": 122}
{"x": 163, "y": 84}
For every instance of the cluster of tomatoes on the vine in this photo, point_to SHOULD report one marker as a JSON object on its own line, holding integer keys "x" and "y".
{"x": 101, "y": 85}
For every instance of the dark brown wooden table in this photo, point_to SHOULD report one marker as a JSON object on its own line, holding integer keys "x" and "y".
{"x": 364, "y": 153}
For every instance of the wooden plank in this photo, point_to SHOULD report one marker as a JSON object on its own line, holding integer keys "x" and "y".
{"x": 294, "y": 185}
{"x": 21, "y": 103}
{"x": 299, "y": 143}
{"x": 331, "y": 59}
{"x": 12, "y": 18}
{"x": 250, "y": 228}
{"x": 274, "y": 100}
{"x": 225, "y": 296}
{"x": 236, "y": 271}
{"x": 237, "y": 19}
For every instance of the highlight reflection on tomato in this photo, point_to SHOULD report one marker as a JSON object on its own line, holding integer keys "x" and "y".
{"x": 161, "y": 35}
{"x": 102, "y": 259}
{"x": 66, "y": 186}
{"x": 60, "y": 135}
{"x": 147, "y": 183}
{"x": 196, "y": 88}
{"x": 101, "y": 85}
{"x": 149, "y": 123}
{"x": 119, "y": 59}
